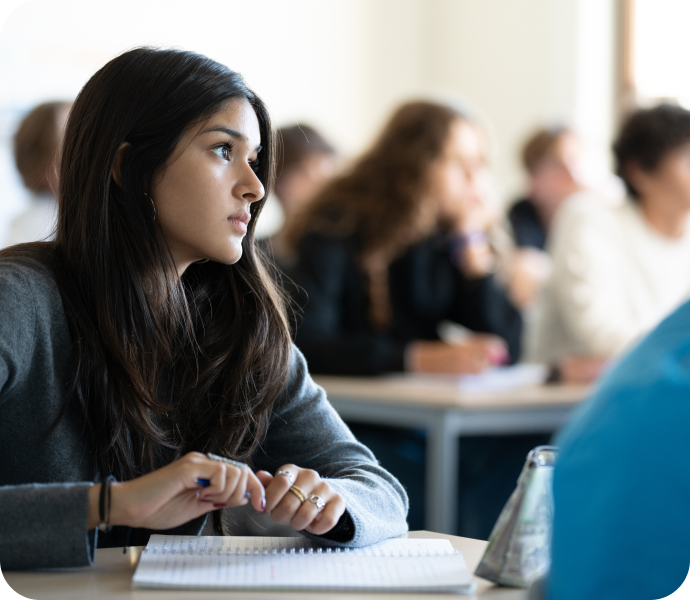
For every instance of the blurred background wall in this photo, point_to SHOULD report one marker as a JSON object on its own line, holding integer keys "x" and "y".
{"x": 341, "y": 65}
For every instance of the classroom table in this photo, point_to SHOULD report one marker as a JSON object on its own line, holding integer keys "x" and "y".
{"x": 111, "y": 577}
{"x": 445, "y": 411}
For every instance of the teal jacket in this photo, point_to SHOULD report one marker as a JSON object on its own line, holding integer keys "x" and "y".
{"x": 622, "y": 481}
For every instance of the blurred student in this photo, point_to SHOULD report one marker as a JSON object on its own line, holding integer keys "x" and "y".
{"x": 398, "y": 244}
{"x": 389, "y": 250}
{"x": 37, "y": 144}
{"x": 305, "y": 162}
{"x": 619, "y": 270}
{"x": 622, "y": 483}
{"x": 552, "y": 157}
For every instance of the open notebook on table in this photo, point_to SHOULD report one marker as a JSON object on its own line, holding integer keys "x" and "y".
{"x": 271, "y": 563}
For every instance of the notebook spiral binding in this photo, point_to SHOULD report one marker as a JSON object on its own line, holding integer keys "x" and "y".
{"x": 228, "y": 548}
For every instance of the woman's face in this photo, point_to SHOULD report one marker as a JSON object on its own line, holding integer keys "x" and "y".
{"x": 559, "y": 174}
{"x": 459, "y": 180}
{"x": 203, "y": 194}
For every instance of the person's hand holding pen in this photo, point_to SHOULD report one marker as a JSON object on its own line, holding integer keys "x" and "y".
{"x": 458, "y": 351}
{"x": 179, "y": 492}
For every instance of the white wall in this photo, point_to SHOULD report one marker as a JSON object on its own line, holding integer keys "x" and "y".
{"x": 518, "y": 63}
{"x": 302, "y": 57}
{"x": 341, "y": 65}
{"x": 514, "y": 61}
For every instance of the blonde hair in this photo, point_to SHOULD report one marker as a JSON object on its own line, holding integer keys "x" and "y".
{"x": 37, "y": 144}
{"x": 541, "y": 144}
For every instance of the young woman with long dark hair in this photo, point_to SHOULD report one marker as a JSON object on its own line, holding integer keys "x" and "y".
{"x": 149, "y": 334}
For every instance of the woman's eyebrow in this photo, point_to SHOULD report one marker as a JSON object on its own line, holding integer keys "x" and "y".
{"x": 233, "y": 133}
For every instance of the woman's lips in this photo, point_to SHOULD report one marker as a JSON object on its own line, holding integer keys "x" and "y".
{"x": 240, "y": 220}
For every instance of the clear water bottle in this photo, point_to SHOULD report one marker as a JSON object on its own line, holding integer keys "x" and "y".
{"x": 520, "y": 542}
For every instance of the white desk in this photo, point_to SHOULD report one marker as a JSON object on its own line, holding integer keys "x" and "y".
{"x": 445, "y": 412}
{"x": 111, "y": 579}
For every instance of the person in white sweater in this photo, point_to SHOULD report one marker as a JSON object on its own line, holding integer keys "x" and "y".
{"x": 619, "y": 270}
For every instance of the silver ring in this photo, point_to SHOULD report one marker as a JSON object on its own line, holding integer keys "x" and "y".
{"x": 286, "y": 473}
{"x": 320, "y": 504}
{"x": 229, "y": 461}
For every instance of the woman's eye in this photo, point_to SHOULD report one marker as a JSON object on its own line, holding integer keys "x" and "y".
{"x": 254, "y": 164}
{"x": 223, "y": 151}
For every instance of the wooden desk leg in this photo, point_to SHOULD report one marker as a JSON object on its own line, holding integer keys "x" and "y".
{"x": 442, "y": 456}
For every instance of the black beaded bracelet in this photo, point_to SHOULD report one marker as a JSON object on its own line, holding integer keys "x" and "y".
{"x": 104, "y": 516}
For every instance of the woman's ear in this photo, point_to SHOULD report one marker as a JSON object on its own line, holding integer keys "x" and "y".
{"x": 117, "y": 165}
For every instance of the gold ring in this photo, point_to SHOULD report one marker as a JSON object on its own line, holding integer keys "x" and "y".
{"x": 297, "y": 491}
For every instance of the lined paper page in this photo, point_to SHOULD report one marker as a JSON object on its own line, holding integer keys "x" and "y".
{"x": 297, "y": 563}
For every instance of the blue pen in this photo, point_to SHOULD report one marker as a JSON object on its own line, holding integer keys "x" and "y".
{"x": 207, "y": 482}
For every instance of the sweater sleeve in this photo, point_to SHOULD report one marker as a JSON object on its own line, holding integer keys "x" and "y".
{"x": 41, "y": 526}
{"x": 306, "y": 431}
{"x": 586, "y": 282}
{"x": 324, "y": 291}
{"x": 44, "y": 526}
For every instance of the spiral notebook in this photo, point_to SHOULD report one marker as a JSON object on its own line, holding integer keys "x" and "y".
{"x": 271, "y": 563}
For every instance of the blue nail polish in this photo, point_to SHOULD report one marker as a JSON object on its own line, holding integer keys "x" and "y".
{"x": 203, "y": 482}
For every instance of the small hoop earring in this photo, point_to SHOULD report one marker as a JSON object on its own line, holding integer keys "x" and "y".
{"x": 201, "y": 260}
{"x": 152, "y": 205}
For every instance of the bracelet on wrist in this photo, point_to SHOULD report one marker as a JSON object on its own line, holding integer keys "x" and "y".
{"x": 105, "y": 503}
{"x": 460, "y": 242}
{"x": 473, "y": 237}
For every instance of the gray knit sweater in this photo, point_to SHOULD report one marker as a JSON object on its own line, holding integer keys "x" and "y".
{"x": 44, "y": 483}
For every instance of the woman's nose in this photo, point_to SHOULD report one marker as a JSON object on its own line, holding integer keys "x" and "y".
{"x": 253, "y": 189}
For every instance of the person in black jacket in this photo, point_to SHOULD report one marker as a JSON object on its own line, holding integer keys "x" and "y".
{"x": 399, "y": 244}
{"x": 390, "y": 250}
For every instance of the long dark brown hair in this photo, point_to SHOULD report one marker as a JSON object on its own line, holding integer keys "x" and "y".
{"x": 161, "y": 365}
{"x": 382, "y": 199}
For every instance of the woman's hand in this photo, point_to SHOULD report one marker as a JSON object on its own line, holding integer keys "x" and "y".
{"x": 527, "y": 270}
{"x": 472, "y": 356}
{"x": 581, "y": 370}
{"x": 476, "y": 257}
{"x": 286, "y": 507}
{"x": 169, "y": 497}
